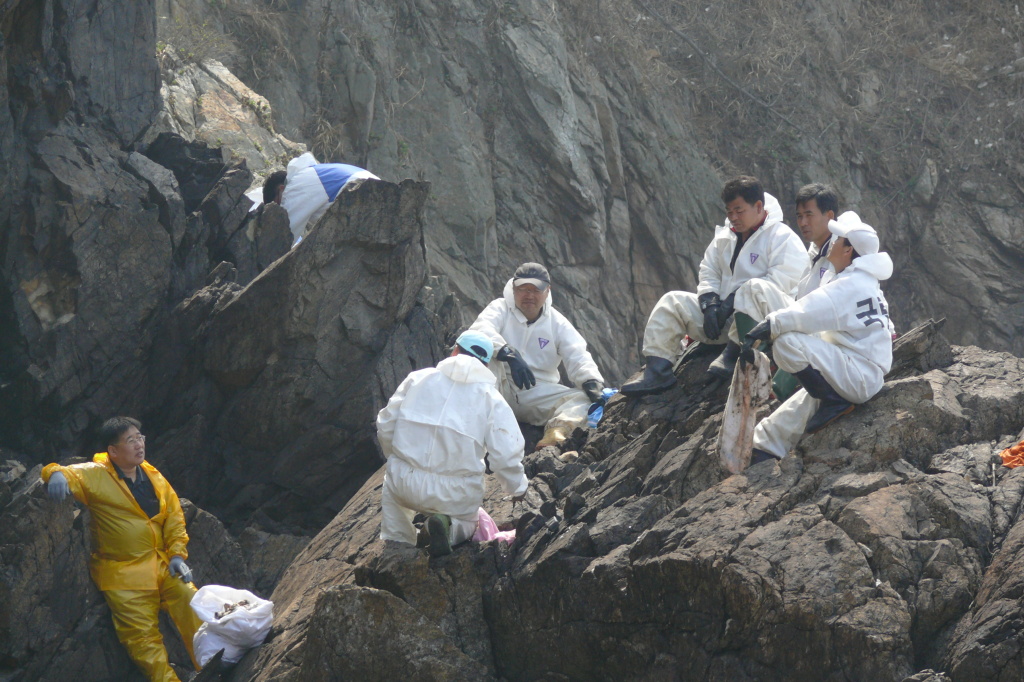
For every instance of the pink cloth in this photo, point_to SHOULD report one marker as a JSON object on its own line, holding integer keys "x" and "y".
{"x": 487, "y": 529}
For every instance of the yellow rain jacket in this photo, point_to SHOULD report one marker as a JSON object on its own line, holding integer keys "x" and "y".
{"x": 130, "y": 550}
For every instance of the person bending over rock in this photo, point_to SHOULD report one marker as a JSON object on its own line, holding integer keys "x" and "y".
{"x": 307, "y": 189}
{"x": 139, "y": 540}
{"x": 751, "y": 267}
{"x": 533, "y": 339}
{"x": 836, "y": 341}
{"x": 434, "y": 433}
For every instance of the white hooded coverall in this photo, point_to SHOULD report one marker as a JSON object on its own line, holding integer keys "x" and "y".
{"x": 434, "y": 433}
{"x": 543, "y": 345}
{"x": 842, "y": 330}
{"x": 770, "y": 264}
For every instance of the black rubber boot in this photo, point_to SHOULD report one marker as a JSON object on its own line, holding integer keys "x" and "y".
{"x": 658, "y": 377}
{"x": 758, "y": 455}
{"x": 725, "y": 363}
{"x": 833, "y": 406}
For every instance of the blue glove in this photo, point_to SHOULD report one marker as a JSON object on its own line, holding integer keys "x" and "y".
{"x": 177, "y": 566}
{"x": 522, "y": 376}
{"x": 57, "y": 488}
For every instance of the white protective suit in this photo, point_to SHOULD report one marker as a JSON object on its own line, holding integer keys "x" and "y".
{"x": 820, "y": 271}
{"x": 312, "y": 187}
{"x": 434, "y": 432}
{"x": 841, "y": 330}
{"x": 543, "y": 345}
{"x": 769, "y": 265}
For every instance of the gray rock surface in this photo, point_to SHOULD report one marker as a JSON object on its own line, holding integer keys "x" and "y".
{"x": 590, "y": 137}
{"x": 644, "y": 559}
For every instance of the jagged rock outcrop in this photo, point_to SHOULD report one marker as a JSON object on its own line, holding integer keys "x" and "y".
{"x": 284, "y": 376}
{"x": 883, "y": 546}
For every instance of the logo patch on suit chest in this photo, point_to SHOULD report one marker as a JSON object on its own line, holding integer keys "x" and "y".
{"x": 821, "y": 272}
{"x": 543, "y": 342}
{"x": 753, "y": 257}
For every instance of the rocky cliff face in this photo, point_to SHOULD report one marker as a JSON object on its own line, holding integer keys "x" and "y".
{"x": 135, "y": 281}
{"x": 594, "y": 136}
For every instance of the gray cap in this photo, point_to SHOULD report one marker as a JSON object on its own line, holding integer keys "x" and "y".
{"x": 532, "y": 273}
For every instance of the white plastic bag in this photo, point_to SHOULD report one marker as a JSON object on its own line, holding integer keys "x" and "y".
{"x": 233, "y": 620}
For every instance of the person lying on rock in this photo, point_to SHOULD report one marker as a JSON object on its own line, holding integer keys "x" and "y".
{"x": 751, "y": 267}
{"x": 533, "y": 339}
{"x": 836, "y": 341}
{"x": 138, "y": 539}
{"x": 435, "y": 433}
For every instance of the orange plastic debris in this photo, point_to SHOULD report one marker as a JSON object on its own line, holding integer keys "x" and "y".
{"x": 1013, "y": 457}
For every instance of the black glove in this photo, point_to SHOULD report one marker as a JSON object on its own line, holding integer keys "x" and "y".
{"x": 711, "y": 306}
{"x": 522, "y": 376}
{"x": 726, "y": 311}
{"x": 594, "y": 390}
{"x": 761, "y": 332}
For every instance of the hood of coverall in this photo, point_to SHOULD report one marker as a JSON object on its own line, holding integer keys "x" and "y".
{"x": 510, "y": 299}
{"x": 465, "y": 369}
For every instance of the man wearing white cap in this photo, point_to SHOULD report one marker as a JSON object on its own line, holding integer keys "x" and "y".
{"x": 533, "y": 339}
{"x": 751, "y": 267}
{"x": 435, "y": 432}
{"x": 836, "y": 341}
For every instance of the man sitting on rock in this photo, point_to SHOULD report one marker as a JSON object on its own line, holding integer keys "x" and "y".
{"x": 435, "y": 432}
{"x": 533, "y": 339}
{"x": 138, "y": 538}
{"x": 836, "y": 341}
{"x": 751, "y": 267}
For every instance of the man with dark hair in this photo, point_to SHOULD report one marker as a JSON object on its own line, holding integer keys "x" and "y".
{"x": 836, "y": 341}
{"x": 273, "y": 188}
{"x": 434, "y": 433}
{"x": 532, "y": 339}
{"x": 751, "y": 267}
{"x": 816, "y": 205}
{"x": 138, "y": 539}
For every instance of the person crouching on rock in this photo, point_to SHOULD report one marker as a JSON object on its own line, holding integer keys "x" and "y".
{"x": 435, "y": 432}
{"x": 533, "y": 339}
{"x": 139, "y": 540}
{"x": 752, "y": 266}
{"x": 836, "y": 341}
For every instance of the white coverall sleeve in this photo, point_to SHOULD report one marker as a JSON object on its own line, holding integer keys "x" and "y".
{"x": 505, "y": 447}
{"x": 788, "y": 264}
{"x": 815, "y": 312}
{"x": 490, "y": 321}
{"x": 710, "y": 270}
{"x": 572, "y": 348}
{"x": 387, "y": 418}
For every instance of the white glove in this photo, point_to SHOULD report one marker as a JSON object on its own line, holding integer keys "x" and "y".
{"x": 57, "y": 488}
{"x": 177, "y": 566}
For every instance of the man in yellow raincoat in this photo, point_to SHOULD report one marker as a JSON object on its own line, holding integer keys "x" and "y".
{"x": 138, "y": 540}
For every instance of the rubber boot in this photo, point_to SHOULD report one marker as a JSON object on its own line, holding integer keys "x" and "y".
{"x": 553, "y": 435}
{"x": 784, "y": 385}
{"x": 757, "y": 455}
{"x": 723, "y": 366}
{"x": 658, "y": 377}
{"x": 439, "y": 526}
{"x": 833, "y": 406}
